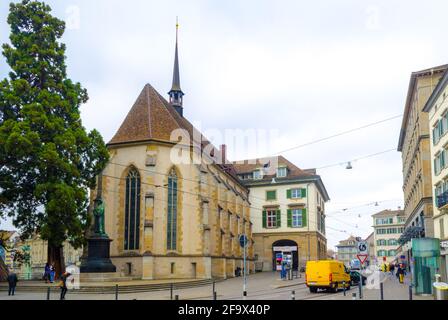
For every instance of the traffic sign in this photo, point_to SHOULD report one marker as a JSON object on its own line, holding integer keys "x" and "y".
{"x": 243, "y": 241}
{"x": 362, "y": 258}
{"x": 363, "y": 247}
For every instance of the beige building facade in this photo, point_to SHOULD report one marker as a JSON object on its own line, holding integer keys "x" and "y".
{"x": 347, "y": 250}
{"x": 414, "y": 144}
{"x": 388, "y": 226}
{"x": 38, "y": 255}
{"x": 437, "y": 109}
{"x": 171, "y": 217}
{"x": 287, "y": 212}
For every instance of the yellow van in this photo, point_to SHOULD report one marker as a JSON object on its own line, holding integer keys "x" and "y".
{"x": 326, "y": 274}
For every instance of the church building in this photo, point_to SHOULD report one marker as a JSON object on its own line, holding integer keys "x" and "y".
{"x": 171, "y": 219}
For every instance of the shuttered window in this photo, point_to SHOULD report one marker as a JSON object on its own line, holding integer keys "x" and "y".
{"x": 295, "y": 219}
{"x": 271, "y": 195}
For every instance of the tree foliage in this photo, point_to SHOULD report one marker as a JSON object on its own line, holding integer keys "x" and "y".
{"x": 47, "y": 159}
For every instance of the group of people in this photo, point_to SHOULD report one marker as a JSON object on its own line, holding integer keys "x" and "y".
{"x": 49, "y": 273}
{"x": 49, "y": 276}
{"x": 400, "y": 270}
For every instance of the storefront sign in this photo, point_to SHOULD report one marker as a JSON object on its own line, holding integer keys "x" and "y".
{"x": 285, "y": 249}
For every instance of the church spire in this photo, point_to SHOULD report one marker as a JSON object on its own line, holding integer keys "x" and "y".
{"x": 176, "y": 94}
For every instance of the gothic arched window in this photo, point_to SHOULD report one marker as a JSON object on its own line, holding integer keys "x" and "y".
{"x": 172, "y": 211}
{"x": 132, "y": 211}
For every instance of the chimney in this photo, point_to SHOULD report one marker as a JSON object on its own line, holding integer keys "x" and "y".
{"x": 223, "y": 154}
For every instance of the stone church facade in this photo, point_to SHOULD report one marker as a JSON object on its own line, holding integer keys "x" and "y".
{"x": 172, "y": 219}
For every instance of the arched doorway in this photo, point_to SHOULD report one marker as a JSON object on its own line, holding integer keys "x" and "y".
{"x": 282, "y": 248}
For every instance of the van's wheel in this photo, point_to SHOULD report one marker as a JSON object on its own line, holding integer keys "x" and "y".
{"x": 313, "y": 289}
{"x": 335, "y": 289}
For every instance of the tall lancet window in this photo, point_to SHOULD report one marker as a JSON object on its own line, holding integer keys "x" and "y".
{"x": 172, "y": 211}
{"x": 132, "y": 211}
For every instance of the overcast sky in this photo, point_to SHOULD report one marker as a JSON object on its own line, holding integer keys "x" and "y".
{"x": 308, "y": 69}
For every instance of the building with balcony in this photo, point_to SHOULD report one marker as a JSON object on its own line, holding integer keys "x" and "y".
{"x": 414, "y": 145}
{"x": 388, "y": 226}
{"x": 437, "y": 109}
{"x": 287, "y": 211}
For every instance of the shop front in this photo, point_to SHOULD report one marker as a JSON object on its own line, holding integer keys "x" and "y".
{"x": 425, "y": 264}
{"x": 285, "y": 251}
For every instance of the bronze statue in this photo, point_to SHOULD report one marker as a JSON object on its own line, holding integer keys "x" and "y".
{"x": 98, "y": 213}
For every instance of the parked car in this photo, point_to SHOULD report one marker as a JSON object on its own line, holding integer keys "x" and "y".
{"x": 354, "y": 278}
{"x": 326, "y": 274}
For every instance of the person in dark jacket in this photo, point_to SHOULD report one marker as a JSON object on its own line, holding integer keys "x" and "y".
{"x": 12, "y": 282}
{"x": 63, "y": 284}
{"x": 401, "y": 273}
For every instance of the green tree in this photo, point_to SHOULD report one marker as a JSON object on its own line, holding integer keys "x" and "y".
{"x": 48, "y": 161}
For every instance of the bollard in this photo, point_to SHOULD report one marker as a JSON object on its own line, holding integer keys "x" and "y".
{"x": 48, "y": 293}
{"x": 354, "y": 296}
{"x": 343, "y": 285}
{"x": 176, "y": 297}
{"x": 381, "y": 291}
{"x": 410, "y": 292}
{"x": 213, "y": 287}
{"x": 171, "y": 291}
{"x": 116, "y": 292}
{"x": 215, "y": 296}
{"x": 360, "y": 290}
{"x": 293, "y": 295}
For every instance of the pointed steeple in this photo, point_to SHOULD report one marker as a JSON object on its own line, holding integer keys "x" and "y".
{"x": 176, "y": 94}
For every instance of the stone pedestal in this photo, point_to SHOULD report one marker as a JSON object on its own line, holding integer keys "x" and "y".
{"x": 98, "y": 257}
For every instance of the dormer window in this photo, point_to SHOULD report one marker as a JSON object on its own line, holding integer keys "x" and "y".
{"x": 257, "y": 175}
{"x": 282, "y": 172}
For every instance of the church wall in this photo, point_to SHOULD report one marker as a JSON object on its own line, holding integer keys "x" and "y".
{"x": 202, "y": 234}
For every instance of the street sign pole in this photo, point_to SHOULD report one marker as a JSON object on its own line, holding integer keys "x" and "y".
{"x": 363, "y": 253}
{"x": 245, "y": 282}
{"x": 243, "y": 243}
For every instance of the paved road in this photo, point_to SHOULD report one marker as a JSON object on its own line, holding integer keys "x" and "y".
{"x": 262, "y": 286}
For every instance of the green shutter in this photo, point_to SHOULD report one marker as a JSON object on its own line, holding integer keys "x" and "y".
{"x": 303, "y": 193}
{"x": 279, "y": 222}
{"x": 289, "y": 218}
{"x": 264, "y": 219}
{"x": 304, "y": 218}
{"x": 288, "y": 194}
{"x": 271, "y": 195}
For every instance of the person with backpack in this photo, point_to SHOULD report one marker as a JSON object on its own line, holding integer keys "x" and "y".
{"x": 63, "y": 284}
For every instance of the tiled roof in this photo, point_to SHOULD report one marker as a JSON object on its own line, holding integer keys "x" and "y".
{"x": 248, "y": 166}
{"x": 154, "y": 118}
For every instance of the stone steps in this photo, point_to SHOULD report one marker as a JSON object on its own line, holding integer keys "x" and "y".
{"x": 121, "y": 289}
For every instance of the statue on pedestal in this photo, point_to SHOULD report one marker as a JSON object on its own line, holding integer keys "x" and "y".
{"x": 98, "y": 214}
{"x": 98, "y": 249}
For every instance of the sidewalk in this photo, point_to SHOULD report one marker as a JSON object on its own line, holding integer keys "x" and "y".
{"x": 392, "y": 288}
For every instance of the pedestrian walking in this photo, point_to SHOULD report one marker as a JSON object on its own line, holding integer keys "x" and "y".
{"x": 47, "y": 272}
{"x": 52, "y": 273}
{"x": 283, "y": 272}
{"x": 63, "y": 284}
{"x": 392, "y": 269}
{"x": 12, "y": 283}
{"x": 400, "y": 273}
